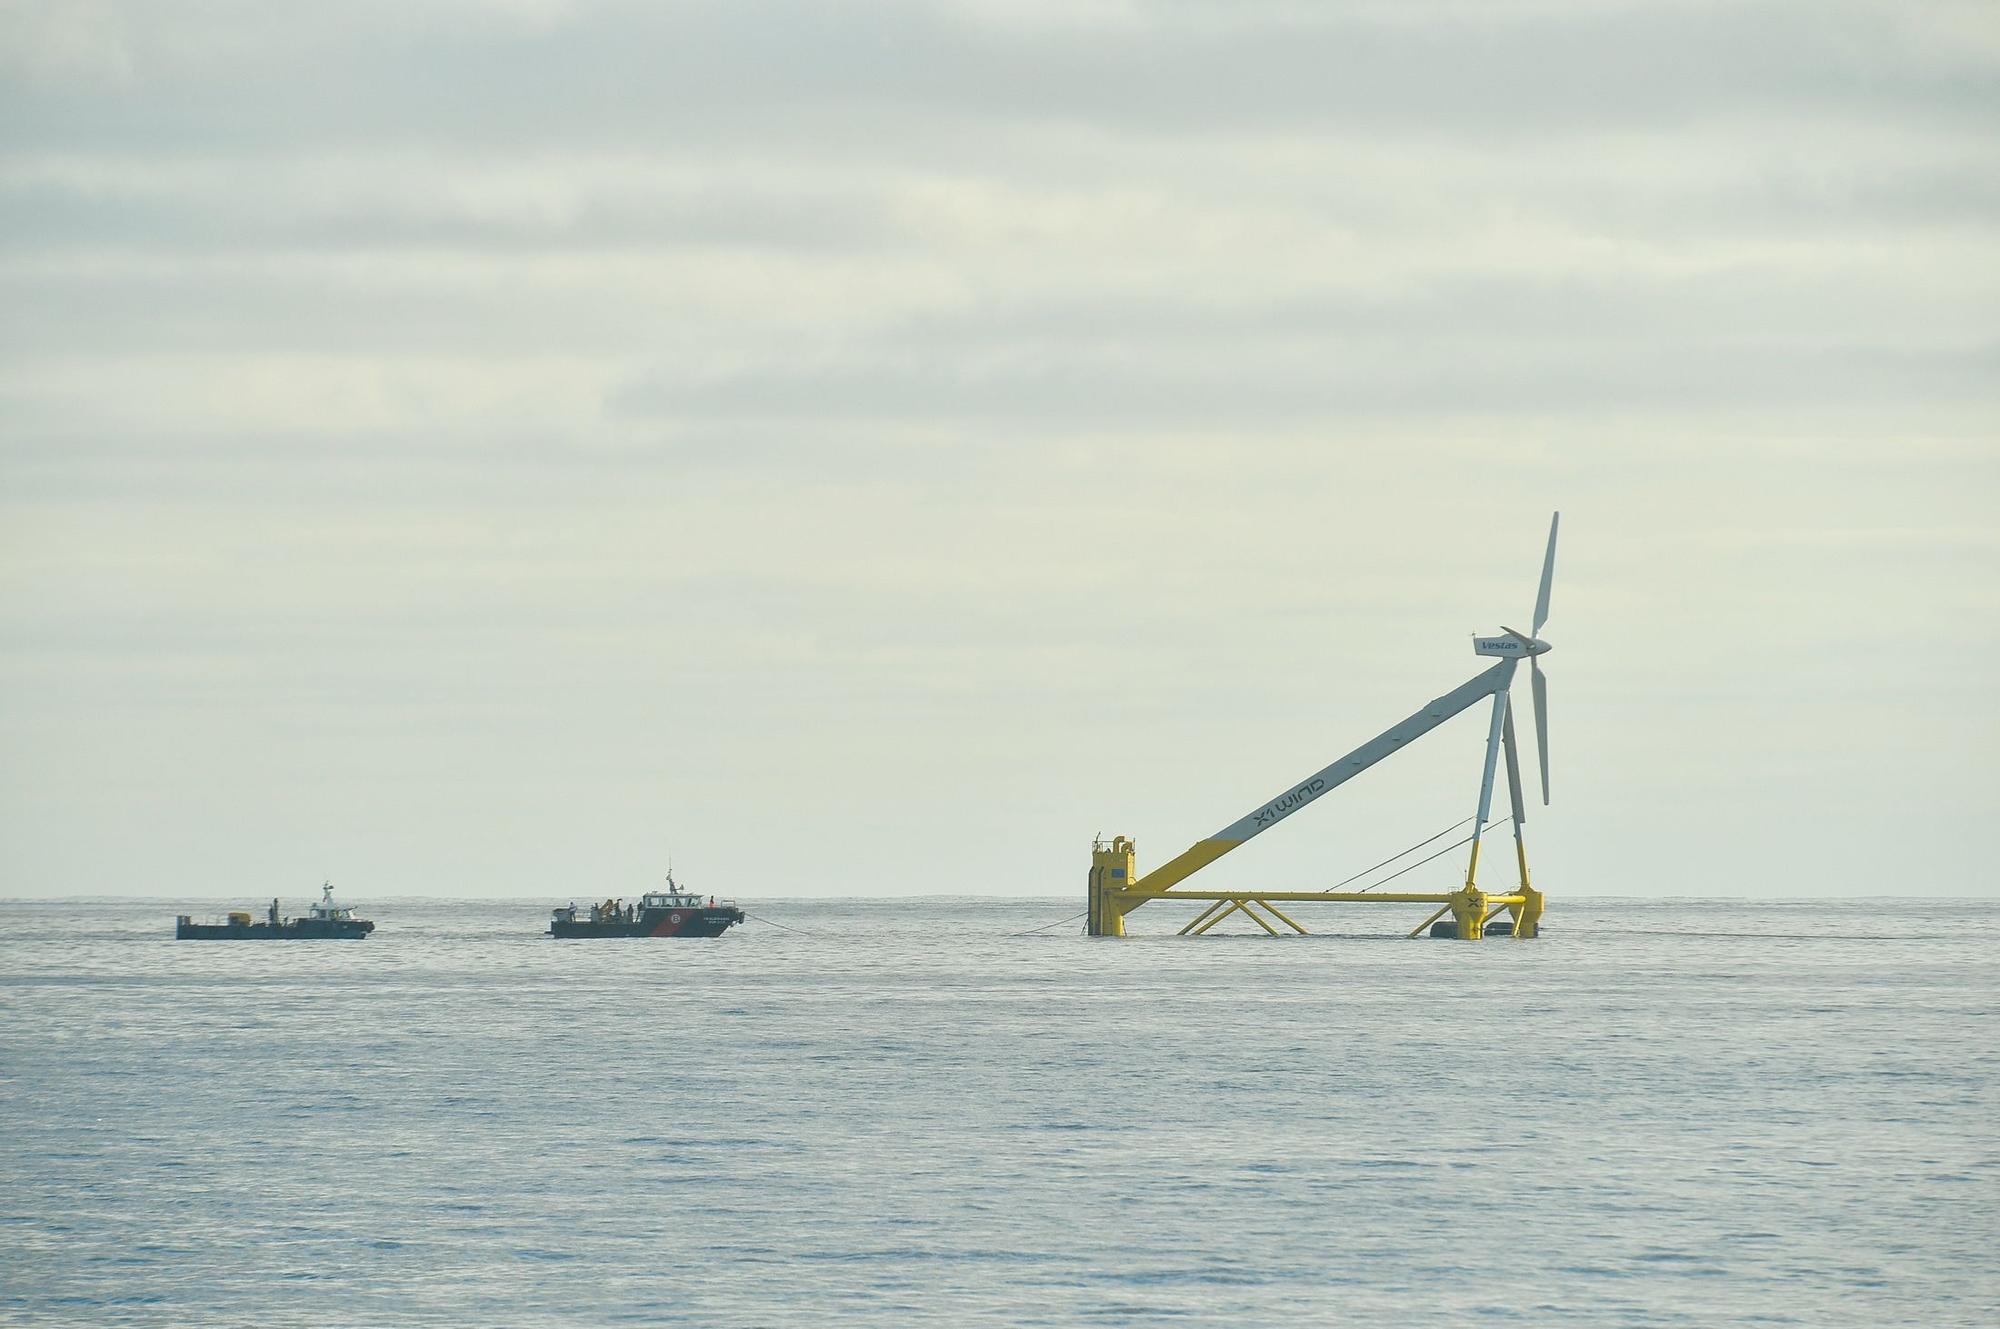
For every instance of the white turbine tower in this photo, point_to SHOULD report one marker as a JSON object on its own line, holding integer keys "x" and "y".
{"x": 1514, "y": 647}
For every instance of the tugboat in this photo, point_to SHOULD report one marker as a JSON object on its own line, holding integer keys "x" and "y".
{"x": 669, "y": 913}
{"x": 324, "y": 920}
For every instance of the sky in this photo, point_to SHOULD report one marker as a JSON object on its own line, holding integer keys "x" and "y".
{"x": 495, "y": 449}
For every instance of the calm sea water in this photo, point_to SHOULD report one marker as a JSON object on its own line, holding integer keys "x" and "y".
{"x": 1667, "y": 1114}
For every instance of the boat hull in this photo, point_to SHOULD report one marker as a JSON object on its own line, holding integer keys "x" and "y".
{"x": 302, "y": 929}
{"x": 698, "y": 921}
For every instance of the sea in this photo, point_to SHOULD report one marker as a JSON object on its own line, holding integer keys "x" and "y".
{"x": 963, "y": 1112}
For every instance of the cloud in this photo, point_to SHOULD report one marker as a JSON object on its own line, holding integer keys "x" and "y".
{"x": 660, "y": 75}
{"x": 984, "y": 412}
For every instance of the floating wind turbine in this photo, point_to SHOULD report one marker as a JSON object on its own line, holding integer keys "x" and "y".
{"x": 1116, "y": 888}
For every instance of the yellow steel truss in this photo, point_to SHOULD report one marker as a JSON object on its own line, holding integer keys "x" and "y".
{"x": 1471, "y": 908}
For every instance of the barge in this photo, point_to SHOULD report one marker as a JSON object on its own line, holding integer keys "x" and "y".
{"x": 324, "y": 920}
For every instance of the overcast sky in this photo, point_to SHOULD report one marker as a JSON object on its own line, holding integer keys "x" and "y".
{"x": 482, "y": 449}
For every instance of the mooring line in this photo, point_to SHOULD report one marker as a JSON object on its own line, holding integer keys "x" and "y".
{"x": 804, "y": 933}
{"x": 1046, "y": 926}
{"x": 780, "y": 926}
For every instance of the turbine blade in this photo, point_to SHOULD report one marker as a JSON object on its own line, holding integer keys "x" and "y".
{"x": 1548, "y": 575}
{"x": 1513, "y": 753}
{"x": 1542, "y": 724}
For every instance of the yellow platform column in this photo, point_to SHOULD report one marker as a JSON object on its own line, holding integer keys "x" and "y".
{"x": 1468, "y": 906}
{"x": 1468, "y": 910}
{"x": 1528, "y": 913}
{"x": 1110, "y": 873}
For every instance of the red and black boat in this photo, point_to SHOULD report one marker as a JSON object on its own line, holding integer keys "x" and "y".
{"x": 669, "y": 913}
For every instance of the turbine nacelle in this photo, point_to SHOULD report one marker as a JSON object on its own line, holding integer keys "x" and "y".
{"x": 1515, "y": 645}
